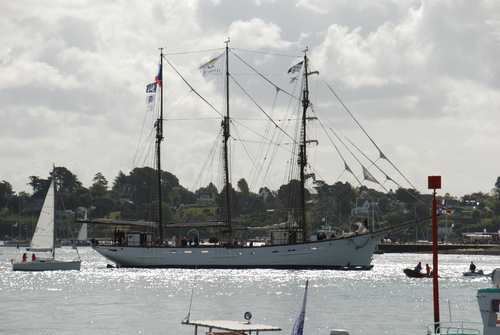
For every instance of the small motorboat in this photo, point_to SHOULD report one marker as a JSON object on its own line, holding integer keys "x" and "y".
{"x": 416, "y": 274}
{"x": 479, "y": 273}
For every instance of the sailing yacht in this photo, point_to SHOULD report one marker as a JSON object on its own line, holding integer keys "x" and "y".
{"x": 288, "y": 247}
{"x": 44, "y": 240}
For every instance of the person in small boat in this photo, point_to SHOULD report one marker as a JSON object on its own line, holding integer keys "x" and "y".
{"x": 33, "y": 257}
{"x": 418, "y": 268}
{"x": 472, "y": 267}
{"x": 427, "y": 269}
{"x": 25, "y": 257}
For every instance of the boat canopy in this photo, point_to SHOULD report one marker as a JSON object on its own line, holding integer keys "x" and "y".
{"x": 237, "y": 326}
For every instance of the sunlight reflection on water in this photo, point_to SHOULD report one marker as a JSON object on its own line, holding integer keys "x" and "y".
{"x": 129, "y": 301}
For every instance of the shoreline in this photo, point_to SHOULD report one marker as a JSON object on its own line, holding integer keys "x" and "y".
{"x": 443, "y": 248}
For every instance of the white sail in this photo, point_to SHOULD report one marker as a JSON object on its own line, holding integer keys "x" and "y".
{"x": 82, "y": 235}
{"x": 43, "y": 238}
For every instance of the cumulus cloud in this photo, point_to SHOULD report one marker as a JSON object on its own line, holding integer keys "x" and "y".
{"x": 422, "y": 76}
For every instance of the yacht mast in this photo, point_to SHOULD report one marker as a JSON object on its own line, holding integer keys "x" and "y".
{"x": 226, "y": 134}
{"x": 302, "y": 160}
{"x": 159, "y": 139}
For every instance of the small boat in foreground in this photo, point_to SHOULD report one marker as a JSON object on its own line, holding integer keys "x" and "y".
{"x": 233, "y": 327}
{"x": 247, "y": 327}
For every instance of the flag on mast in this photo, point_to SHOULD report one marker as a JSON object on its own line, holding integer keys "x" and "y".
{"x": 158, "y": 78}
{"x": 298, "y": 326}
{"x": 295, "y": 68}
{"x": 151, "y": 94}
{"x": 212, "y": 67}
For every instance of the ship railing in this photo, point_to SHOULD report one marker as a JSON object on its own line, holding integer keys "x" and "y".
{"x": 455, "y": 328}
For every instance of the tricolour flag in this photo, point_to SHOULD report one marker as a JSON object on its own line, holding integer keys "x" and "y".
{"x": 158, "y": 77}
{"x": 212, "y": 67}
{"x": 298, "y": 326}
{"x": 296, "y": 67}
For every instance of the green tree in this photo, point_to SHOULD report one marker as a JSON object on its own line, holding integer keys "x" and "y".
{"x": 98, "y": 190}
{"x": 66, "y": 181}
{"x": 409, "y": 196}
{"x": 100, "y": 179}
{"x": 497, "y": 188}
{"x": 120, "y": 180}
{"x": 243, "y": 187}
{"x": 40, "y": 186}
{"x": 476, "y": 214}
{"x": 5, "y": 193}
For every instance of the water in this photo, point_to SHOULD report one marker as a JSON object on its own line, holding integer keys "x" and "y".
{"x": 98, "y": 300}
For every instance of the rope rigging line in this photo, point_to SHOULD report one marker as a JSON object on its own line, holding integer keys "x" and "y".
{"x": 373, "y": 164}
{"x": 192, "y": 52}
{"x": 368, "y": 158}
{"x": 261, "y": 109}
{"x": 191, "y": 87}
{"x": 263, "y": 77}
{"x": 208, "y": 161}
{"x": 258, "y": 167}
{"x": 361, "y": 127}
{"x": 265, "y": 146}
{"x": 265, "y": 53}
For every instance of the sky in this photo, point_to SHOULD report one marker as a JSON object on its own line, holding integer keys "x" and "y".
{"x": 422, "y": 77}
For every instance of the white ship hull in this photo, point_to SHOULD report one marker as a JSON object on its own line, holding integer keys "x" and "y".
{"x": 327, "y": 254}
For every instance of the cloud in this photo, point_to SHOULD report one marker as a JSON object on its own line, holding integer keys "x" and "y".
{"x": 421, "y": 76}
{"x": 258, "y": 34}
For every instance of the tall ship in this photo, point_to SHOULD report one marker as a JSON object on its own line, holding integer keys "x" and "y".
{"x": 225, "y": 242}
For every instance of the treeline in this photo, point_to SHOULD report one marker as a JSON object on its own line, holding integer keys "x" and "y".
{"x": 134, "y": 196}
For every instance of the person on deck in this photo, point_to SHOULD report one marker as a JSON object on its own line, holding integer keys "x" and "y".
{"x": 418, "y": 268}
{"x": 25, "y": 257}
{"x": 472, "y": 267}
{"x": 33, "y": 257}
{"x": 427, "y": 269}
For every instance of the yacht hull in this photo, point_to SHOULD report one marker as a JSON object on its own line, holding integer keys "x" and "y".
{"x": 46, "y": 265}
{"x": 326, "y": 254}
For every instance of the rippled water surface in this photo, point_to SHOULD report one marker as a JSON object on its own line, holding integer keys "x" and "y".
{"x": 100, "y": 300}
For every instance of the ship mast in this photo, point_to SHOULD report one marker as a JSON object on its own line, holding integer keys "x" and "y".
{"x": 302, "y": 160}
{"x": 159, "y": 139}
{"x": 226, "y": 135}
